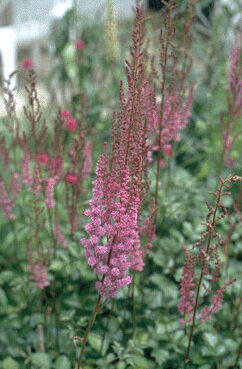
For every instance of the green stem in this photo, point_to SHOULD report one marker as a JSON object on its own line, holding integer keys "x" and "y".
{"x": 90, "y": 324}
{"x": 12, "y": 222}
{"x": 134, "y": 305}
{"x": 210, "y": 236}
{"x": 125, "y": 310}
{"x": 168, "y": 183}
{"x": 40, "y": 329}
{"x": 238, "y": 355}
{"x": 163, "y": 90}
{"x": 106, "y": 326}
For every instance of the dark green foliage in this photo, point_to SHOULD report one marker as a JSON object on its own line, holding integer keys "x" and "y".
{"x": 159, "y": 341}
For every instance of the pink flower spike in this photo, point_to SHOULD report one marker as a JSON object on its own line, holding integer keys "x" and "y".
{"x": 59, "y": 236}
{"x": 87, "y": 165}
{"x": 27, "y": 64}
{"x": 229, "y": 161}
{"x": 168, "y": 150}
{"x": 70, "y": 124}
{"x": 49, "y": 200}
{"x": 162, "y": 164}
{"x": 71, "y": 178}
{"x": 43, "y": 159}
{"x": 65, "y": 114}
{"x": 80, "y": 45}
{"x": 56, "y": 163}
{"x": 5, "y": 203}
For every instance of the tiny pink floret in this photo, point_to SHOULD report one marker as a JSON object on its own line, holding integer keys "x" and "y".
{"x": 229, "y": 161}
{"x": 70, "y": 124}
{"x": 71, "y": 178}
{"x": 168, "y": 150}
{"x": 80, "y": 45}
{"x": 27, "y": 64}
{"x": 43, "y": 159}
{"x": 65, "y": 114}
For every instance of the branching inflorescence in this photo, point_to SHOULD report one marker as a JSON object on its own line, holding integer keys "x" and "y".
{"x": 44, "y": 163}
{"x": 229, "y": 122}
{"x": 168, "y": 111}
{"x": 121, "y": 185}
{"x": 205, "y": 254}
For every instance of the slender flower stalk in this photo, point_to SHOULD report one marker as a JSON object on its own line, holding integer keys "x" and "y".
{"x": 229, "y": 122}
{"x": 172, "y": 112}
{"x": 207, "y": 254}
{"x": 6, "y": 203}
{"x": 119, "y": 186}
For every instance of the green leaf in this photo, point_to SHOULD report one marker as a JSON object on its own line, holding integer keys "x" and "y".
{"x": 95, "y": 341}
{"x": 56, "y": 265}
{"x": 211, "y": 339}
{"x": 161, "y": 356}
{"x": 121, "y": 365}
{"x": 36, "y": 319}
{"x": 6, "y": 276}
{"x": 41, "y": 360}
{"x": 141, "y": 362}
{"x": 63, "y": 363}
{"x": 72, "y": 248}
{"x": 3, "y": 301}
{"x": 9, "y": 363}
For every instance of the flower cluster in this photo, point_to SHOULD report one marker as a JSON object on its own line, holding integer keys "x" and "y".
{"x": 175, "y": 118}
{"x": 186, "y": 304}
{"x": 216, "y": 303}
{"x": 6, "y": 204}
{"x": 112, "y": 230}
{"x": 37, "y": 270}
{"x": 235, "y": 80}
{"x": 59, "y": 236}
{"x": 70, "y": 122}
{"x": 205, "y": 251}
{"x": 80, "y": 45}
{"x": 230, "y": 121}
{"x": 121, "y": 184}
{"x": 27, "y": 64}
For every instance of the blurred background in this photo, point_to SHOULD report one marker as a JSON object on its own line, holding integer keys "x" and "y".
{"x": 78, "y": 50}
{"x": 43, "y": 32}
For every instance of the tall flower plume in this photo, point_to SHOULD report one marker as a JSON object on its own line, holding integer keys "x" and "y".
{"x": 121, "y": 183}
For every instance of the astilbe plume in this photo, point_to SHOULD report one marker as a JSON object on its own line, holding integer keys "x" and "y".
{"x": 79, "y": 159}
{"x": 87, "y": 164}
{"x": 229, "y": 122}
{"x": 40, "y": 171}
{"x": 113, "y": 228}
{"x": 175, "y": 118}
{"x": 121, "y": 183}
{"x": 234, "y": 220}
{"x": 49, "y": 193}
{"x": 25, "y": 167}
{"x": 37, "y": 270}
{"x": 204, "y": 253}
{"x": 146, "y": 232}
{"x": 6, "y": 204}
{"x": 8, "y": 197}
{"x": 235, "y": 79}
{"x": 168, "y": 111}
{"x": 216, "y": 303}
{"x": 59, "y": 236}
{"x": 187, "y": 301}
